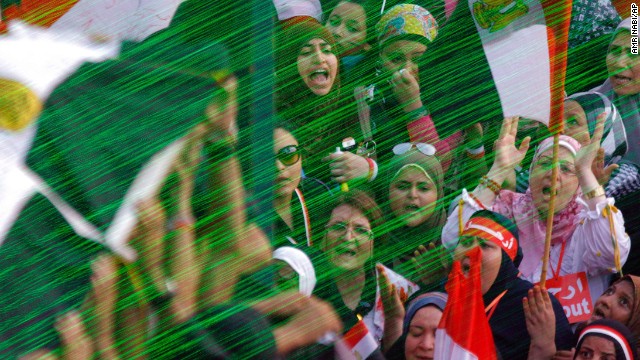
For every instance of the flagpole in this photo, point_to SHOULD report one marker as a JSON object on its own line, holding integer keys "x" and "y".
{"x": 550, "y": 212}
{"x": 558, "y": 17}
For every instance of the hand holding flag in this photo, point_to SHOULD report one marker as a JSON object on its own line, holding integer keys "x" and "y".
{"x": 393, "y": 306}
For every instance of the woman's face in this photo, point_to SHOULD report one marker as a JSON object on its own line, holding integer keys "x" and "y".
{"x": 623, "y": 66}
{"x": 318, "y": 66}
{"x": 422, "y": 334}
{"x": 288, "y": 162}
{"x": 575, "y": 122}
{"x": 596, "y": 348}
{"x": 348, "y": 241}
{"x": 403, "y": 54}
{"x": 540, "y": 181}
{"x": 348, "y": 25}
{"x": 491, "y": 259}
{"x": 616, "y": 303}
{"x": 413, "y": 197}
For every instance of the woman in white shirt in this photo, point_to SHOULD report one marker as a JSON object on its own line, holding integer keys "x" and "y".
{"x": 581, "y": 235}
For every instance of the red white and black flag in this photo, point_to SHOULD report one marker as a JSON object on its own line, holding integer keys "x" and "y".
{"x": 464, "y": 332}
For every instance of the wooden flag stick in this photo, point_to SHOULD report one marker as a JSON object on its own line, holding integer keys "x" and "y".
{"x": 552, "y": 205}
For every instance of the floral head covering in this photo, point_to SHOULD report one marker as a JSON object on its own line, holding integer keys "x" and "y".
{"x": 407, "y": 20}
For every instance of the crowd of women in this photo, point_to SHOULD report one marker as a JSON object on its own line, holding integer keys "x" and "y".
{"x": 366, "y": 192}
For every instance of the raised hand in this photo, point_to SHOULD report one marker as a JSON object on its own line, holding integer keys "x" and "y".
{"x": 393, "y": 308}
{"x": 473, "y": 135}
{"x": 308, "y": 319}
{"x": 431, "y": 263}
{"x": 223, "y": 111}
{"x": 602, "y": 173}
{"x": 105, "y": 295}
{"x": 508, "y": 156}
{"x": 588, "y": 153}
{"x": 187, "y": 163}
{"x": 391, "y": 298}
{"x": 541, "y": 323}
{"x": 149, "y": 241}
{"x": 76, "y": 343}
{"x": 407, "y": 90}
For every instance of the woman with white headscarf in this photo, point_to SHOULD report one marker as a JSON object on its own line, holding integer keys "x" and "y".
{"x": 581, "y": 236}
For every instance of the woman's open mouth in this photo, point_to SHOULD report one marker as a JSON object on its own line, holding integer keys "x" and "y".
{"x": 411, "y": 208}
{"x": 597, "y": 314}
{"x": 346, "y": 250}
{"x": 319, "y": 77}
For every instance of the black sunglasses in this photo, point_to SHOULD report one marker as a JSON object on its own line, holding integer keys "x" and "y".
{"x": 288, "y": 155}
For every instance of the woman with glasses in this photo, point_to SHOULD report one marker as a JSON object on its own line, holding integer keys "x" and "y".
{"x": 416, "y": 212}
{"x": 585, "y": 223}
{"x": 348, "y": 244}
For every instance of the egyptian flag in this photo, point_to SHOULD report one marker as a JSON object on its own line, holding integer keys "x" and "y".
{"x": 106, "y": 139}
{"x": 104, "y": 19}
{"x": 464, "y": 332}
{"x": 360, "y": 341}
{"x": 490, "y": 61}
{"x": 36, "y": 12}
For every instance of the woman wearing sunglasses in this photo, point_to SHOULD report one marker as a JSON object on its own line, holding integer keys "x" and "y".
{"x": 416, "y": 212}
{"x": 292, "y": 194}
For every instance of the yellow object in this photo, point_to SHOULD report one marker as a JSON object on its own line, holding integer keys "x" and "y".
{"x": 599, "y": 191}
{"x": 19, "y": 106}
{"x": 608, "y": 213}
{"x": 344, "y": 187}
{"x": 460, "y": 223}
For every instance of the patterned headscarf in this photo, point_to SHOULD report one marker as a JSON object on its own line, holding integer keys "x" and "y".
{"x": 614, "y": 138}
{"x": 408, "y": 21}
{"x": 521, "y": 209}
{"x": 496, "y": 228}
